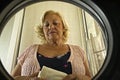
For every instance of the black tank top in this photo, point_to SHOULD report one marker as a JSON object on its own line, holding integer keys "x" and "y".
{"x": 59, "y": 63}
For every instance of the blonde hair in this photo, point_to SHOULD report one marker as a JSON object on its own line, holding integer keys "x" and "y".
{"x": 39, "y": 28}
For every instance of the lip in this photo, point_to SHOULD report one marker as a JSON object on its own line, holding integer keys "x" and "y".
{"x": 51, "y": 32}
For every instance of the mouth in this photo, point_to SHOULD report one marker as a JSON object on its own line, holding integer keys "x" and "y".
{"x": 52, "y": 32}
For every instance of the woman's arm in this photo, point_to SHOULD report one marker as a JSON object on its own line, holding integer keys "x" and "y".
{"x": 16, "y": 71}
{"x": 27, "y": 78}
{"x": 16, "y": 74}
{"x": 76, "y": 77}
{"x": 87, "y": 70}
{"x": 87, "y": 76}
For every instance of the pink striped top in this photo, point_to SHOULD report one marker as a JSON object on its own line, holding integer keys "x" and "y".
{"x": 28, "y": 60}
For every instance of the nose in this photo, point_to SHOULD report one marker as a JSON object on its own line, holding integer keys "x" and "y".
{"x": 51, "y": 26}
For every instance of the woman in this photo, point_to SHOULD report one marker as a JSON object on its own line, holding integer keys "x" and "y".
{"x": 53, "y": 52}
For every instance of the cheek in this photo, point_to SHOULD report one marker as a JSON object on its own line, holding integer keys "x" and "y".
{"x": 45, "y": 32}
{"x": 61, "y": 30}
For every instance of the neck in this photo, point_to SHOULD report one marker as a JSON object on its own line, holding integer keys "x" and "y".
{"x": 56, "y": 43}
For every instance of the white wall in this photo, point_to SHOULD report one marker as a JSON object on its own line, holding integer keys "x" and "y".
{"x": 10, "y": 35}
{"x": 9, "y": 40}
{"x": 5, "y": 40}
{"x": 33, "y": 14}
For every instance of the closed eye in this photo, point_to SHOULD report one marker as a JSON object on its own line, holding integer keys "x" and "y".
{"x": 46, "y": 24}
{"x": 56, "y": 23}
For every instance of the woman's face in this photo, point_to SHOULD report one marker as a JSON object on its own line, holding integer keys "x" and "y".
{"x": 53, "y": 27}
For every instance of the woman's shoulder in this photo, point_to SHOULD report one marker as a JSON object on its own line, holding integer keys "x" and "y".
{"x": 33, "y": 46}
{"x": 77, "y": 49}
{"x": 73, "y": 46}
{"x": 28, "y": 50}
